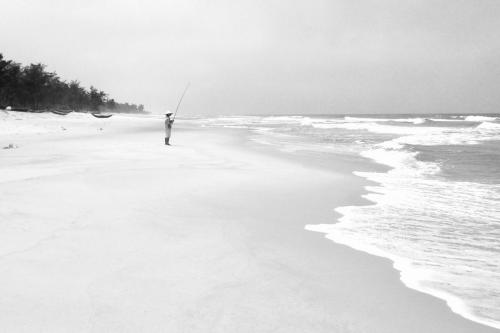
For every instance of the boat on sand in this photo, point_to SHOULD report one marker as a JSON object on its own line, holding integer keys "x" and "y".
{"x": 100, "y": 115}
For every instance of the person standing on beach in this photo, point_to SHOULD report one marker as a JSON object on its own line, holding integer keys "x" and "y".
{"x": 168, "y": 127}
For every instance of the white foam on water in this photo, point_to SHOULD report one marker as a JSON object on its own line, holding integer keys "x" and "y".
{"x": 414, "y": 223}
{"x": 424, "y": 135}
{"x": 443, "y": 236}
{"x": 489, "y": 126}
{"x": 379, "y": 128}
{"x": 480, "y": 118}
{"x": 410, "y": 274}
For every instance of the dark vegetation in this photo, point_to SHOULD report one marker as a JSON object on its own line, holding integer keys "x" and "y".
{"x": 32, "y": 87}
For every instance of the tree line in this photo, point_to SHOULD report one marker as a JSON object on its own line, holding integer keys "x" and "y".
{"x": 33, "y": 87}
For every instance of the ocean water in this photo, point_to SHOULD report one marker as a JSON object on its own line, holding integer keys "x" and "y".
{"x": 435, "y": 213}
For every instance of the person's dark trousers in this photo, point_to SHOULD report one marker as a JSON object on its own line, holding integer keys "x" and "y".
{"x": 167, "y": 141}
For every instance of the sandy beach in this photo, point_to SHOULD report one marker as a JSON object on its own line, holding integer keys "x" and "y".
{"x": 105, "y": 229}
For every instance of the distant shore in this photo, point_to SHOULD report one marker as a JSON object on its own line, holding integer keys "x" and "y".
{"x": 106, "y": 229}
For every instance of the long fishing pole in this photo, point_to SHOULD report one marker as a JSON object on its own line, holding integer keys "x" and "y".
{"x": 180, "y": 100}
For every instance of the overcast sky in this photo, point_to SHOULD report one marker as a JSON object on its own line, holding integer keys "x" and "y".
{"x": 266, "y": 56}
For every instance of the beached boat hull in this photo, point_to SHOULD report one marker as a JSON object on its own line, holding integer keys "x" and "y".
{"x": 97, "y": 115}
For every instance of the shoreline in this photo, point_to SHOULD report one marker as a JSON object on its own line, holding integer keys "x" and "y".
{"x": 409, "y": 276}
{"x": 355, "y": 166}
{"x": 399, "y": 264}
{"x": 455, "y": 304}
{"x": 205, "y": 236}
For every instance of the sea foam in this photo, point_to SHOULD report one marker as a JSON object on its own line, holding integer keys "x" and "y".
{"x": 442, "y": 235}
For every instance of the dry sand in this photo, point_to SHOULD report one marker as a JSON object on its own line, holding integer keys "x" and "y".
{"x": 105, "y": 229}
